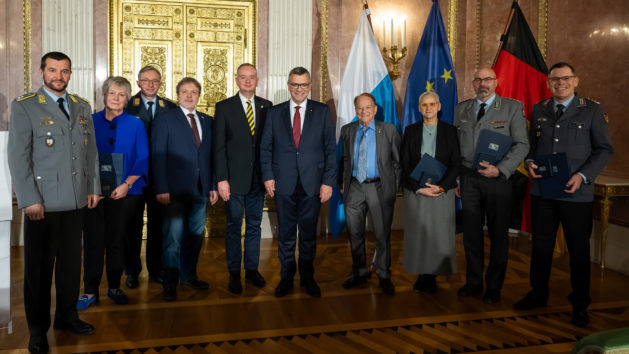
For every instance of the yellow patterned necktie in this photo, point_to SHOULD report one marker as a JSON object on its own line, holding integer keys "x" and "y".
{"x": 250, "y": 120}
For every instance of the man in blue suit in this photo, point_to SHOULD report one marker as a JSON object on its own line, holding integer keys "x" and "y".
{"x": 181, "y": 146}
{"x": 298, "y": 160}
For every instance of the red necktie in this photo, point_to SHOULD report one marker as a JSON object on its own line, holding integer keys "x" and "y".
{"x": 195, "y": 129}
{"x": 297, "y": 127}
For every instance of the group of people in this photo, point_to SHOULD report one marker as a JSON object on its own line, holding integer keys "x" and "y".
{"x": 175, "y": 159}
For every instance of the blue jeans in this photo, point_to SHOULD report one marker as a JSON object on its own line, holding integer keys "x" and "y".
{"x": 251, "y": 204}
{"x": 184, "y": 225}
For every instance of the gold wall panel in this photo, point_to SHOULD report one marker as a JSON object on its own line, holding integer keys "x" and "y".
{"x": 203, "y": 39}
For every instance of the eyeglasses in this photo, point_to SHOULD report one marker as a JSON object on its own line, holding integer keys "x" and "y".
{"x": 429, "y": 104}
{"x": 295, "y": 85}
{"x": 561, "y": 78}
{"x": 478, "y": 80}
{"x": 147, "y": 81}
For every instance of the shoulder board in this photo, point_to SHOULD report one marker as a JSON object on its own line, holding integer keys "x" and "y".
{"x": 588, "y": 99}
{"x": 74, "y": 96}
{"x": 26, "y": 96}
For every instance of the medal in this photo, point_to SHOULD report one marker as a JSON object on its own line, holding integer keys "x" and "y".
{"x": 50, "y": 141}
{"x": 85, "y": 140}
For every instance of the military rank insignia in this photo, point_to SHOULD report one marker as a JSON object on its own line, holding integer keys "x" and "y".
{"x": 50, "y": 141}
{"x": 161, "y": 103}
{"x": 46, "y": 121}
{"x": 42, "y": 98}
{"x": 73, "y": 99}
{"x": 136, "y": 101}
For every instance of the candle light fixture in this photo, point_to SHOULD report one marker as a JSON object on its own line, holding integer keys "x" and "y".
{"x": 393, "y": 53}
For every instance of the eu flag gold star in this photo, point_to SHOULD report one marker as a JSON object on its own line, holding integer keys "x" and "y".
{"x": 447, "y": 75}
{"x": 430, "y": 86}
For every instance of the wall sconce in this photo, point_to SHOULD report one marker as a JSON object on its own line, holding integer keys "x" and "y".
{"x": 392, "y": 53}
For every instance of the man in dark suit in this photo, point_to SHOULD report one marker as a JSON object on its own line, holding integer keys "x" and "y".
{"x": 147, "y": 106}
{"x": 577, "y": 126}
{"x": 371, "y": 176}
{"x": 237, "y": 129}
{"x": 181, "y": 146}
{"x": 298, "y": 158}
{"x": 486, "y": 192}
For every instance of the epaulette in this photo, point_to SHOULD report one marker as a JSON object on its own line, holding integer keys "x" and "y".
{"x": 26, "y": 96}
{"x": 545, "y": 102}
{"x": 72, "y": 96}
{"x": 593, "y": 100}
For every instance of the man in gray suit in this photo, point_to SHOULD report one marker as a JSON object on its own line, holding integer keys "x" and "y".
{"x": 577, "y": 126}
{"x": 371, "y": 176}
{"x": 54, "y": 167}
{"x": 486, "y": 191}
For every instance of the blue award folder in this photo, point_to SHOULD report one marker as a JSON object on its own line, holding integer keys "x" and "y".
{"x": 428, "y": 170}
{"x": 555, "y": 174}
{"x": 491, "y": 148}
{"x": 111, "y": 171}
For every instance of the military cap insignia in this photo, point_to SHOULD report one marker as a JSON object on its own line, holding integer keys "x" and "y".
{"x": 161, "y": 103}
{"x": 42, "y": 98}
{"x": 136, "y": 101}
{"x": 26, "y": 96}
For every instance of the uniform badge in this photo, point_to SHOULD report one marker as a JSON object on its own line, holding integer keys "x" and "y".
{"x": 161, "y": 103}
{"x": 85, "y": 140}
{"x": 42, "y": 98}
{"x": 136, "y": 101}
{"x": 50, "y": 141}
{"x": 82, "y": 120}
{"x": 538, "y": 134}
{"x": 542, "y": 119}
{"x": 498, "y": 122}
{"x": 46, "y": 121}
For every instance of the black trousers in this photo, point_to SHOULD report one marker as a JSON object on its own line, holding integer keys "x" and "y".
{"x": 51, "y": 243}
{"x": 154, "y": 236}
{"x": 490, "y": 199}
{"x": 576, "y": 219}
{"x": 104, "y": 237}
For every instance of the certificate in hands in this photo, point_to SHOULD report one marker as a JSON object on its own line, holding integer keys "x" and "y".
{"x": 111, "y": 171}
{"x": 428, "y": 170}
{"x": 555, "y": 174}
{"x": 491, "y": 148}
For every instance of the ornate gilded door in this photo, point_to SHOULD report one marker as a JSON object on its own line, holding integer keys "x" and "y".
{"x": 203, "y": 39}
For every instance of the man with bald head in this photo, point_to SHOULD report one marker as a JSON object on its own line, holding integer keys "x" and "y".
{"x": 486, "y": 192}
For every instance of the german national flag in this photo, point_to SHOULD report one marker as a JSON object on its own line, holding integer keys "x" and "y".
{"x": 522, "y": 75}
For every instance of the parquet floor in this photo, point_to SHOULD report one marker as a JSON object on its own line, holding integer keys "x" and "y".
{"x": 361, "y": 320}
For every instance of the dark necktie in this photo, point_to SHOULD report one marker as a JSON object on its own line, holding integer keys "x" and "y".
{"x": 297, "y": 127}
{"x": 150, "y": 109}
{"x": 481, "y": 111}
{"x": 559, "y": 112}
{"x": 62, "y": 108}
{"x": 250, "y": 120}
{"x": 195, "y": 129}
{"x": 361, "y": 168}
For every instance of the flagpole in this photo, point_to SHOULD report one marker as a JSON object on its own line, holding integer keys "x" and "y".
{"x": 504, "y": 33}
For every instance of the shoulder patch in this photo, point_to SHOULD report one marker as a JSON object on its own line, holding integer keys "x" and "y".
{"x": 26, "y": 96}
{"x": 82, "y": 99}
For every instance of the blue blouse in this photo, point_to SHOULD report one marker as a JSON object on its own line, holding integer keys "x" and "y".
{"x": 125, "y": 134}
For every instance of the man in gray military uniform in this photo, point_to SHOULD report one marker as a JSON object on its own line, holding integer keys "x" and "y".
{"x": 486, "y": 192}
{"x": 577, "y": 126}
{"x": 54, "y": 167}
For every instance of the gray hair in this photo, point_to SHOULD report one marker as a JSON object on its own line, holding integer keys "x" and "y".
{"x": 119, "y": 81}
{"x": 149, "y": 68}
{"x": 299, "y": 70}
{"x": 429, "y": 93}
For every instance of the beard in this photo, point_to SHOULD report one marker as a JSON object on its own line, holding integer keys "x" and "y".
{"x": 49, "y": 85}
{"x": 482, "y": 93}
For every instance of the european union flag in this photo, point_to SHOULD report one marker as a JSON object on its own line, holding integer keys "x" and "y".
{"x": 432, "y": 71}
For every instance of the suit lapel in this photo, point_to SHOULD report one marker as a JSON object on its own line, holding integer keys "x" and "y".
{"x": 307, "y": 117}
{"x": 570, "y": 110}
{"x": 352, "y": 140}
{"x": 51, "y": 106}
{"x": 287, "y": 122}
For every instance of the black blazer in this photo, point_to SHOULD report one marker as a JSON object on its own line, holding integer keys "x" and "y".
{"x": 236, "y": 151}
{"x": 447, "y": 152}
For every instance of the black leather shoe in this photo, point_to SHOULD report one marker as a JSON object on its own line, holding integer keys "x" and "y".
{"x": 196, "y": 283}
{"x": 580, "y": 318}
{"x": 426, "y": 283}
{"x": 170, "y": 293}
{"x": 355, "y": 280}
{"x": 234, "y": 285}
{"x": 283, "y": 287}
{"x": 311, "y": 286}
{"x": 255, "y": 278}
{"x": 132, "y": 281}
{"x": 75, "y": 325}
{"x": 38, "y": 344}
{"x": 529, "y": 302}
{"x": 491, "y": 296}
{"x": 387, "y": 286}
{"x": 470, "y": 290}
